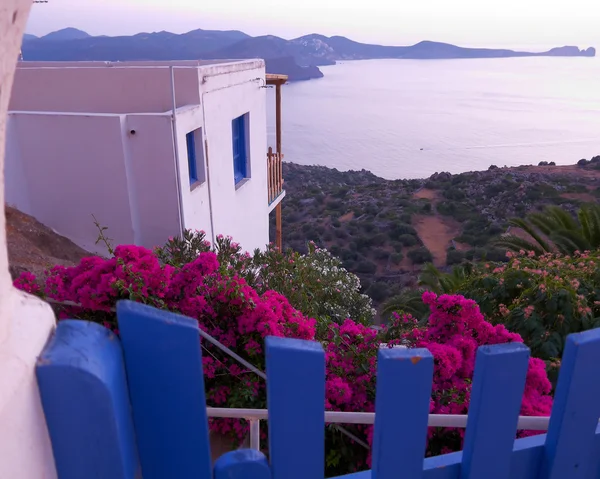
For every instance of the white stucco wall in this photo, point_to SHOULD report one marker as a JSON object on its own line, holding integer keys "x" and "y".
{"x": 151, "y": 177}
{"x": 195, "y": 200}
{"x": 240, "y": 212}
{"x": 103, "y": 89}
{"x": 25, "y": 322}
{"x": 16, "y": 190}
{"x": 74, "y": 167}
{"x": 128, "y": 180}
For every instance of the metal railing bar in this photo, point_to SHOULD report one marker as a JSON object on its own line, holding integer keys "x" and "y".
{"x": 255, "y": 434}
{"x": 529, "y": 423}
{"x": 235, "y": 356}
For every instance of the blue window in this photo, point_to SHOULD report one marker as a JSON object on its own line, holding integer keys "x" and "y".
{"x": 239, "y": 128}
{"x": 191, "y": 155}
{"x": 195, "y": 156}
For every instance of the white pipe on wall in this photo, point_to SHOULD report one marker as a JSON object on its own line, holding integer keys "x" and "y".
{"x": 176, "y": 155}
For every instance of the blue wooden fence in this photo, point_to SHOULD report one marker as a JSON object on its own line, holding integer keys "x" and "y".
{"x": 135, "y": 407}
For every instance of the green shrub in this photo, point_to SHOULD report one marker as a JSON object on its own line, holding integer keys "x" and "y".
{"x": 406, "y": 218}
{"x": 379, "y": 291}
{"x": 397, "y": 258}
{"x": 340, "y": 233}
{"x": 365, "y": 267}
{"x": 420, "y": 255}
{"x": 408, "y": 240}
{"x": 543, "y": 298}
{"x": 381, "y": 254}
{"x": 454, "y": 257}
{"x": 401, "y": 229}
{"x": 335, "y": 204}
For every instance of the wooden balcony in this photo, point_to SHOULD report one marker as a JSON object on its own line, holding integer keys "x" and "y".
{"x": 274, "y": 175}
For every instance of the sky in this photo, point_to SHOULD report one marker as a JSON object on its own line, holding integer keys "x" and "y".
{"x": 508, "y": 23}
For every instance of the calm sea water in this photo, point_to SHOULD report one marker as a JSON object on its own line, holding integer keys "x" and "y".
{"x": 411, "y": 118}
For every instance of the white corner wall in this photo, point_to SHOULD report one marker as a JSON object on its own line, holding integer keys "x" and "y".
{"x": 195, "y": 199}
{"x": 25, "y": 322}
{"x": 152, "y": 180}
{"x": 240, "y": 212}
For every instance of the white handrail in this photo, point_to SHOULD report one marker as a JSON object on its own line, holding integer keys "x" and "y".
{"x": 530, "y": 423}
{"x": 254, "y": 416}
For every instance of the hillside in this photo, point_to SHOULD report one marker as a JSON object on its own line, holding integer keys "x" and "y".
{"x": 384, "y": 230}
{"x": 299, "y": 58}
{"x": 34, "y": 247}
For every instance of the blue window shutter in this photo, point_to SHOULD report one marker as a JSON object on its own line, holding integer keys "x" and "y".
{"x": 191, "y": 154}
{"x": 240, "y": 157}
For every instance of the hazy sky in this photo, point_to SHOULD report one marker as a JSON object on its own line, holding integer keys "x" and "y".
{"x": 467, "y": 22}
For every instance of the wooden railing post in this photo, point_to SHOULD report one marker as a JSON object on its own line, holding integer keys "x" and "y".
{"x": 270, "y": 173}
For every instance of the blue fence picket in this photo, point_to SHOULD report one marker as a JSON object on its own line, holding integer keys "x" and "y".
{"x": 83, "y": 390}
{"x": 242, "y": 464}
{"x": 496, "y": 396}
{"x": 296, "y": 403}
{"x": 164, "y": 370}
{"x": 404, "y": 378}
{"x": 570, "y": 439}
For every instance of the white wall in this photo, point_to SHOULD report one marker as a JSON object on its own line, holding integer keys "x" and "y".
{"x": 122, "y": 168}
{"x": 151, "y": 177}
{"x": 25, "y": 322}
{"x": 16, "y": 190}
{"x": 196, "y": 204}
{"x": 74, "y": 168}
{"x": 109, "y": 89}
{"x": 240, "y": 212}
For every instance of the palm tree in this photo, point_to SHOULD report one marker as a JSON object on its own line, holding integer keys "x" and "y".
{"x": 555, "y": 230}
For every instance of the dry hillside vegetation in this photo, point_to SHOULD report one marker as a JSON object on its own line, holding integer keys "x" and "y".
{"x": 34, "y": 247}
{"x": 385, "y": 230}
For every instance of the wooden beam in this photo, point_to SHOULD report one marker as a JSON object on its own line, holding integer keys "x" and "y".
{"x": 278, "y": 235}
{"x": 278, "y": 116}
{"x": 273, "y": 79}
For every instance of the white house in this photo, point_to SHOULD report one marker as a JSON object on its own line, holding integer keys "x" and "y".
{"x": 147, "y": 148}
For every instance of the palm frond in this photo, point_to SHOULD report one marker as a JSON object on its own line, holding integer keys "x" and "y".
{"x": 568, "y": 241}
{"x": 531, "y": 231}
{"x": 514, "y": 243}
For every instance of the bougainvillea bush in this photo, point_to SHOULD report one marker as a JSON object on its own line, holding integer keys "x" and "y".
{"x": 315, "y": 282}
{"x": 225, "y": 306}
{"x": 218, "y": 294}
{"x": 456, "y": 328}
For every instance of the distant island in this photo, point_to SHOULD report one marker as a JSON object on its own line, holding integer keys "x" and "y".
{"x": 299, "y": 58}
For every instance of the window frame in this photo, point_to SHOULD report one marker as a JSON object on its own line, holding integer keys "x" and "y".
{"x": 240, "y": 148}
{"x": 195, "y": 157}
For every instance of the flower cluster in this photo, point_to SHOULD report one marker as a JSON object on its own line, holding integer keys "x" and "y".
{"x": 455, "y": 330}
{"x": 543, "y": 298}
{"x": 315, "y": 282}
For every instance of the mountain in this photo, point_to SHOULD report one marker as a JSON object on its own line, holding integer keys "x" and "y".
{"x": 299, "y": 58}
{"x": 66, "y": 34}
{"x": 28, "y": 36}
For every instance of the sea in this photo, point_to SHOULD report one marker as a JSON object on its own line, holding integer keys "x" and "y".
{"x": 412, "y": 118}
